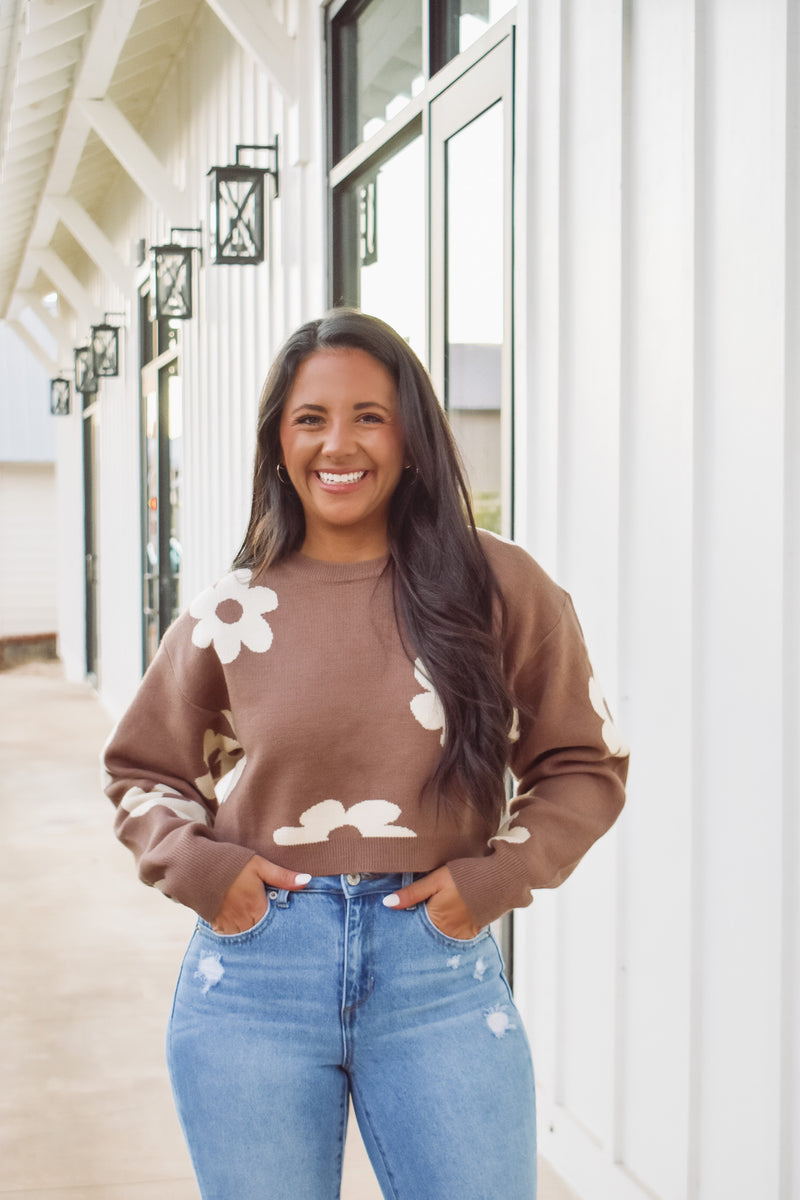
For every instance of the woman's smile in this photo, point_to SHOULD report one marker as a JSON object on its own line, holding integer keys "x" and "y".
{"x": 334, "y": 479}
{"x": 343, "y": 450}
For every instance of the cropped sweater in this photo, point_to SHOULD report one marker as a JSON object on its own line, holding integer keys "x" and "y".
{"x": 283, "y": 716}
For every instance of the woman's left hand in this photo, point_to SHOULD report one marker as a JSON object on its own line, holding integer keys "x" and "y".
{"x": 445, "y": 907}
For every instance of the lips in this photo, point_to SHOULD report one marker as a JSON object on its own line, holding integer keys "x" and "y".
{"x": 332, "y": 478}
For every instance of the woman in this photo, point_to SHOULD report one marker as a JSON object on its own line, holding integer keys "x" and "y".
{"x": 315, "y": 763}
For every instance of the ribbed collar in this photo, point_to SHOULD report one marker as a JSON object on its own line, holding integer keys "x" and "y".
{"x": 317, "y": 571}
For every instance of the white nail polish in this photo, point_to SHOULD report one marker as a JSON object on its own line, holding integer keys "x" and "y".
{"x": 391, "y": 901}
{"x": 301, "y": 880}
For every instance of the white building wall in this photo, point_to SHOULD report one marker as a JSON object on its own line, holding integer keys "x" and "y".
{"x": 28, "y": 578}
{"x": 27, "y": 549}
{"x": 660, "y": 426}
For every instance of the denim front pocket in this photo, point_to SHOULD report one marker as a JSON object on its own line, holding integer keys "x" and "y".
{"x": 428, "y": 924}
{"x": 247, "y": 935}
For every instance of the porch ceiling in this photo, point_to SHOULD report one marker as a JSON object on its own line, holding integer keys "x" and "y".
{"x": 55, "y": 55}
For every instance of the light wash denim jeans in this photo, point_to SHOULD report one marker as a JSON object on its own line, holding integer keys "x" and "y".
{"x": 334, "y": 995}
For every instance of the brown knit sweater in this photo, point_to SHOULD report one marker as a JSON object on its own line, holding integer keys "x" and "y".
{"x": 282, "y": 716}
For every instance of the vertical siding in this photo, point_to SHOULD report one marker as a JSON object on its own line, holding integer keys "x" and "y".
{"x": 588, "y": 496}
{"x": 656, "y": 588}
{"x": 660, "y": 434}
{"x": 790, "y": 1015}
{"x": 739, "y": 426}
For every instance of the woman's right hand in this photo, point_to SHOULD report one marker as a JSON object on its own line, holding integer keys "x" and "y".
{"x": 245, "y": 901}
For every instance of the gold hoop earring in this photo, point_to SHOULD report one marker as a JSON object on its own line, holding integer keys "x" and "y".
{"x": 410, "y": 467}
{"x": 282, "y": 467}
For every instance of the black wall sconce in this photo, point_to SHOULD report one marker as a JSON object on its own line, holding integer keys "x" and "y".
{"x": 59, "y": 397}
{"x": 238, "y": 227}
{"x": 172, "y": 276}
{"x": 104, "y": 341}
{"x": 85, "y": 378}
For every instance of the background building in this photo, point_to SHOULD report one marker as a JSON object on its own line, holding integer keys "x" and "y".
{"x": 28, "y": 542}
{"x": 584, "y": 215}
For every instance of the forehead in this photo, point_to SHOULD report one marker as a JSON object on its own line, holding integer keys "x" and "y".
{"x": 340, "y": 374}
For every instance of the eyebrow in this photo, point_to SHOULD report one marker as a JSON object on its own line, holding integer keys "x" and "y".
{"x": 320, "y": 408}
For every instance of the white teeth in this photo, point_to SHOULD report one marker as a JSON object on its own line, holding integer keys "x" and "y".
{"x": 351, "y": 477}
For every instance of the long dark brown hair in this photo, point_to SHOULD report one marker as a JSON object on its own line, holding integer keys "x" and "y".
{"x": 445, "y": 593}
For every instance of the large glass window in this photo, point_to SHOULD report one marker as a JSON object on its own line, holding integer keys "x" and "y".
{"x": 378, "y": 60}
{"x": 382, "y": 221}
{"x": 378, "y": 50}
{"x": 457, "y": 24}
{"x": 421, "y": 206}
{"x": 475, "y": 304}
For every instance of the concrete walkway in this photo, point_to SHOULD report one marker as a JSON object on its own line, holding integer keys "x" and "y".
{"x": 89, "y": 959}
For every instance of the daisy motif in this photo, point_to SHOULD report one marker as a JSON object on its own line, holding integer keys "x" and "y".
{"x": 221, "y": 754}
{"x": 611, "y": 735}
{"x": 426, "y": 706}
{"x": 138, "y": 803}
{"x": 511, "y": 833}
{"x": 229, "y": 614}
{"x": 372, "y": 819}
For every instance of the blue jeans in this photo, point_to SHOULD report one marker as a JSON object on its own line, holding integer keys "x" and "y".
{"x": 330, "y": 996}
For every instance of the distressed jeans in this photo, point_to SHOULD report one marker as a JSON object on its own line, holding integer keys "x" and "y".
{"x": 333, "y": 996}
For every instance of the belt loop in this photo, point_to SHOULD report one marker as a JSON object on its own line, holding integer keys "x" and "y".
{"x": 408, "y": 877}
{"x": 283, "y": 898}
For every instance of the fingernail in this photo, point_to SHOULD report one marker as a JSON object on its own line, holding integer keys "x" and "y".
{"x": 302, "y": 880}
{"x": 391, "y": 901}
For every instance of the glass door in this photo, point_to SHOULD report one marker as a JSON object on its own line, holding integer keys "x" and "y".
{"x": 162, "y": 473}
{"x": 471, "y": 283}
{"x": 471, "y": 290}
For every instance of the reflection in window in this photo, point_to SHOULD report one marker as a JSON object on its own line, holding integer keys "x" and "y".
{"x": 475, "y": 292}
{"x": 388, "y": 207}
{"x": 475, "y": 17}
{"x": 381, "y": 49}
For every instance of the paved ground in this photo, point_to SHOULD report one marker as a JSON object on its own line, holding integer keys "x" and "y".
{"x": 89, "y": 959}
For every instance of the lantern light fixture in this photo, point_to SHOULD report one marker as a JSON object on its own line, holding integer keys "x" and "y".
{"x": 238, "y": 209}
{"x": 59, "y": 397}
{"x": 85, "y": 378}
{"x": 104, "y": 341}
{"x": 172, "y": 276}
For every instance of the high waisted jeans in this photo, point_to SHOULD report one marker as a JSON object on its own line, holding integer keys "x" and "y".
{"x": 334, "y": 995}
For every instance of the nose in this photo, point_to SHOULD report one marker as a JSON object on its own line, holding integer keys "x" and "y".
{"x": 339, "y": 440}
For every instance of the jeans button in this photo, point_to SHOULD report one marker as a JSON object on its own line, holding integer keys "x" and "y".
{"x": 272, "y": 895}
{"x": 353, "y": 879}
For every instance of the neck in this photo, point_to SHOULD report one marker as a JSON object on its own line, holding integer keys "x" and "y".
{"x": 343, "y": 546}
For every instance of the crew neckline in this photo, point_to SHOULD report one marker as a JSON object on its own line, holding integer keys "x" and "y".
{"x": 322, "y": 571}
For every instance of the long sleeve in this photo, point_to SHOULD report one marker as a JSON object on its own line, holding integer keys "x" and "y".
{"x": 568, "y": 759}
{"x": 163, "y": 761}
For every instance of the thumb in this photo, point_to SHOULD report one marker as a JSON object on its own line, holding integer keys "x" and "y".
{"x": 418, "y": 891}
{"x": 279, "y": 877}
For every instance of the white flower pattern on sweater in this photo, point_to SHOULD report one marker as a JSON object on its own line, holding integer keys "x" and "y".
{"x": 426, "y": 706}
{"x": 246, "y": 627}
{"x": 223, "y": 755}
{"x": 372, "y": 818}
{"x": 138, "y": 802}
{"x": 610, "y": 734}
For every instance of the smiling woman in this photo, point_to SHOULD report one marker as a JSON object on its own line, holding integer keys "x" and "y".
{"x": 367, "y": 675}
{"x": 343, "y": 451}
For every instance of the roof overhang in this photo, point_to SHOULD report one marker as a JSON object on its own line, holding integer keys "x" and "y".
{"x": 78, "y": 83}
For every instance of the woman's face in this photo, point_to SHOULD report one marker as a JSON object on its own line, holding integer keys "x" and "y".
{"x": 343, "y": 449}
